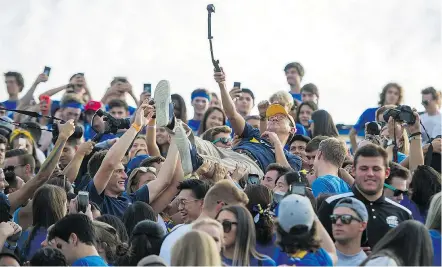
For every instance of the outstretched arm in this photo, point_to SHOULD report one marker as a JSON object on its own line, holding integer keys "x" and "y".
{"x": 151, "y": 139}
{"x": 54, "y": 91}
{"x": 71, "y": 171}
{"x": 236, "y": 120}
{"x": 26, "y": 99}
{"x": 19, "y": 197}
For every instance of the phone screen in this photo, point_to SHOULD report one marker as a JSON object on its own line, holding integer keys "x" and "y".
{"x": 147, "y": 88}
{"x": 237, "y": 84}
{"x": 298, "y": 189}
{"x": 47, "y": 70}
{"x": 82, "y": 201}
{"x": 22, "y": 143}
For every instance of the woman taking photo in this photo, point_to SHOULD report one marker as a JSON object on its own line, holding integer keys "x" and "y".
{"x": 240, "y": 238}
{"x": 213, "y": 117}
{"x": 395, "y": 248}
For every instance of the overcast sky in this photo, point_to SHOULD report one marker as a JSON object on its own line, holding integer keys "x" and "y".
{"x": 349, "y": 48}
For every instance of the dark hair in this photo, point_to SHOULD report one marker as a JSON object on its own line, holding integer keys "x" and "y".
{"x": 425, "y": 183}
{"x": 62, "y": 182}
{"x": 147, "y": 238}
{"x": 324, "y": 124}
{"x": 321, "y": 199}
{"x": 397, "y": 171}
{"x": 137, "y": 212}
{"x": 95, "y": 161}
{"x": 183, "y": 109}
{"x": 48, "y": 257}
{"x": 210, "y": 134}
{"x": 118, "y": 103}
{"x": 3, "y": 140}
{"x": 78, "y": 224}
{"x": 115, "y": 222}
{"x": 248, "y": 91}
{"x": 199, "y": 188}
{"x": 295, "y": 65}
{"x": 371, "y": 151}
{"x": 310, "y": 88}
{"x": 396, "y": 244}
{"x": 313, "y": 145}
{"x": 262, "y": 196}
{"x": 434, "y": 93}
{"x": 23, "y": 157}
{"x": 310, "y": 104}
{"x": 15, "y": 152}
{"x": 300, "y": 137}
{"x": 278, "y": 168}
{"x": 384, "y": 93}
{"x": 18, "y": 77}
{"x": 298, "y": 238}
{"x": 209, "y": 111}
{"x": 149, "y": 161}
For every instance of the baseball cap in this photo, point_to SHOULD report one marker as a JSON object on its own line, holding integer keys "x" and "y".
{"x": 6, "y": 126}
{"x": 135, "y": 162}
{"x": 295, "y": 210}
{"x": 356, "y": 205}
{"x": 92, "y": 105}
{"x": 152, "y": 260}
{"x": 275, "y": 109}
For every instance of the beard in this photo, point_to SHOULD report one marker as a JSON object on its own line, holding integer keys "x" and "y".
{"x": 368, "y": 192}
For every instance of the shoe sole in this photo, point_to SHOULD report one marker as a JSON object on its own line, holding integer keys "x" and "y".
{"x": 183, "y": 146}
{"x": 162, "y": 102}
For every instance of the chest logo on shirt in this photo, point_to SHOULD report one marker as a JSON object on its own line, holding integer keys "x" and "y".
{"x": 254, "y": 140}
{"x": 392, "y": 221}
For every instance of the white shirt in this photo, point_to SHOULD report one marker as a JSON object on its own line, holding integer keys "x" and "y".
{"x": 432, "y": 125}
{"x": 177, "y": 232}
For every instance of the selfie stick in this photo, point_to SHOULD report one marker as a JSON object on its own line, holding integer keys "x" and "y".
{"x": 210, "y": 10}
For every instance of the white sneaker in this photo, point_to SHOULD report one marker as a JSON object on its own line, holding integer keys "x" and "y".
{"x": 162, "y": 102}
{"x": 183, "y": 145}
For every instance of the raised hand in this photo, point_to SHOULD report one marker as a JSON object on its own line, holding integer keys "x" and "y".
{"x": 41, "y": 78}
{"x": 86, "y": 148}
{"x": 220, "y": 77}
{"x": 262, "y": 107}
{"x": 235, "y": 93}
{"x": 66, "y": 129}
{"x": 272, "y": 137}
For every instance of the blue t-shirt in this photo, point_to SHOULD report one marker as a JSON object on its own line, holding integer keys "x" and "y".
{"x": 116, "y": 206}
{"x": 436, "y": 239}
{"x": 130, "y": 108}
{"x": 296, "y": 96}
{"x": 409, "y": 204}
{"x": 194, "y": 125}
{"x": 262, "y": 150}
{"x": 34, "y": 245}
{"x": 329, "y": 184}
{"x": 300, "y": 129}
{"x": 366, "y": 116}
{"x": 267, "y": 261}
{"x": 90, "y": 261}
{"x": 304, "y": 258}
{"x": 10, "y": 104}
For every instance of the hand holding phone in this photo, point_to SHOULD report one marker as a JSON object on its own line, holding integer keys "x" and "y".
{"x": 297, "y": 188}
{"x": 21, "y": 143}
{"x": 237, "y": 85}
{"x": 47, "y": 70}
{"x": 82, "y": 201}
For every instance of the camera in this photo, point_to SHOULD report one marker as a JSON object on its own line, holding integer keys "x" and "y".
{"x": 78, "y": 133}
{"x": 401, "y": 114}
{"x": 112, "y": 124}
{"x": 373, "y": 128}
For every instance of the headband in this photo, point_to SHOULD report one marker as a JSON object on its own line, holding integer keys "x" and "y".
{"x": 200, "y": 94}
{"x": 18, "y": 132}
{"x": 72, "y": 104}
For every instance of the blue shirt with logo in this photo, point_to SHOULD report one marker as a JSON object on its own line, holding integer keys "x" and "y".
{"x": 116, "y": 206}
{"x": 304, "y": 258}
{"x": 262, "y": 150}
{"x": 267, "y": 261}
{"x": 329, "y": 184}
{"x": 367, "y": 116}
{"x": 90, "y": 261}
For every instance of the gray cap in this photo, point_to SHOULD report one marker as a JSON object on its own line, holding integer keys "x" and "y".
{"x": 295, "y": 210}
{"x": 152, "y": 260}
{"x": 356, "y": 205}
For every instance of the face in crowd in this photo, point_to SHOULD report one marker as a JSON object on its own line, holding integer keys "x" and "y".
{"x": 347, "y": 226}
{"x": 189, "y": 206}
{"x": 370, "y": 174}
{"x": 244, "y": 103}
{"x": 293, "y": 77}
{"x": 200, "y": 105}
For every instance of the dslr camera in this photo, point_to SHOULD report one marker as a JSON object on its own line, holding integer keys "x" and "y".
{"x": 78, "y": 133}
{"x": 401, "y": 114}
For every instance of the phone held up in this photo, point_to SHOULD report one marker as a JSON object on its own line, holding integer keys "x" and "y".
{"x": 237, "y": 85}
{"x": 82, "y": 201}
{"x": 47, "y": 70}
{"x": 147, "y": 88}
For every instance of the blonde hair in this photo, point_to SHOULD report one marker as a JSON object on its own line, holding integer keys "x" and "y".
{"x": 195, "y": 248}
{"x": 224, "y": 191}
{"x": 434, "y": 213}
{"x": 283, "y": 98}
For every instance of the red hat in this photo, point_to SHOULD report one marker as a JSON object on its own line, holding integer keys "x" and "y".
{"x": 92, "y": 105}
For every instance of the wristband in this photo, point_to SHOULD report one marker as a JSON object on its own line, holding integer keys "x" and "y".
{"x": 136, "y": 127}
{"x": 414, "y": 134}
{"x": 262, "y": 118}
{"x": 151, "y": 126}
{"x": 416, "y": 137}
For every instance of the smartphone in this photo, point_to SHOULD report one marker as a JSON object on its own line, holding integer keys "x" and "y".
{"x": 21, "y": 143}
{"x": 147, "y": 88}
{"x": 237, "y": 84}
{"x": 82, "y": 201}
{"x": 298, "y": 189}
{"x": 47, "y": 70}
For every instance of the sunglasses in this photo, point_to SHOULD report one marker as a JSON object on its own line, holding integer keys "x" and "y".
{"x": 396, "y": 192}
{"x": 227, "y": 226}
{"x": 425, "y": 102}
{"x": 224, "y": 140}
{"x": 345, "y": 218}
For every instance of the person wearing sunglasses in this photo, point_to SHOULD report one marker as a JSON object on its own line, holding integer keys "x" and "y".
{"x": 395, "y": 186}
{"x": 349, "y": 221}
{"x": 431, "y": 119}
{"x": 240, "y": 238}
{"x": 220, "y": 136}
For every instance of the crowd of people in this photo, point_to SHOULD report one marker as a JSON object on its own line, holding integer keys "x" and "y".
{"x": 96, "y": 182}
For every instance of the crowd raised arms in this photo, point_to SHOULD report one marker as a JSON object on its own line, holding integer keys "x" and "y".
{"x": 97, "y": 182}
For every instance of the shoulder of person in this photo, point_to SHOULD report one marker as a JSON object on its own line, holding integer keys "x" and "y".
{"x": 381, "y": 261}
{"x": 332, "y": 200}
{"x": 397, "y": 206}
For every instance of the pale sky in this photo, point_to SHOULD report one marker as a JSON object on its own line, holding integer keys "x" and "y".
{"x": 349, "y": 48}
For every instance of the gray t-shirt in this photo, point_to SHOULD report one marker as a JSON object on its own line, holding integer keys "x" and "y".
{"x": 350, "y": 260}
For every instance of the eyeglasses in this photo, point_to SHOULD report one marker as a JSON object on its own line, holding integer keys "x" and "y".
{"x": 345, "y": 218}
{"x": 227, "y": 226}
{"x": 184, "y": 202}
{"x": 425, "y": 102}
{"x": 396, "y": 192}
{"x": 224, "y": 140}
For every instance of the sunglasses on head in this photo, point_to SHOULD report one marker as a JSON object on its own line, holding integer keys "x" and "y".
{"x": 227, "y": 226}
{"x": 224, "y": 140}
{"x": 345, "y": 218}
{"x": 396, "y": 192}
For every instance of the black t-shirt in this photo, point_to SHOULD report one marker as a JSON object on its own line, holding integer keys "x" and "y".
{"x": 383, "y": 214}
